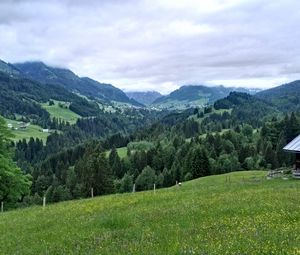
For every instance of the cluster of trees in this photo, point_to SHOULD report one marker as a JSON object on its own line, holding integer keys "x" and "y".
{"x": 14, "y": 184}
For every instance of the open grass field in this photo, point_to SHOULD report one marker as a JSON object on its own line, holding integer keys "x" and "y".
{"x": 60, "y": 112}
{"x": 122, "y": 152}
{"x": 248, "y": 215}
{"x": 30, "y": 131}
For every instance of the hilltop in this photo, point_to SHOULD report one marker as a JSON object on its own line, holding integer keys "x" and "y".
{"x": 237, "y": 213}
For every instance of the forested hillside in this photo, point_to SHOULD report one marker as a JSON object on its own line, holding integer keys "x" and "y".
{"x": 52, "y": 75}
{"x": 285, "y": 97}
{"x": 23, "y": 97}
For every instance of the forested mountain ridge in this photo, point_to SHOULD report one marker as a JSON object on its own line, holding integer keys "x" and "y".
{"x": 285, "y": 97}
{"x": 52, "y": 75}
{"x": 195, "y": 96}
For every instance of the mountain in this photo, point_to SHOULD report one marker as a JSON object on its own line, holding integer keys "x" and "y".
{"x": 23, "y": 96}
{"x": 145, "y": 98}
{"x": 195, "y": 96}
{"x": 8, "y": 68}
{"x": 285, "y": 97}
{"x": 85, "y": 86}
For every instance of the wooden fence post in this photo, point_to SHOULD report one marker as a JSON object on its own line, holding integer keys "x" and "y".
{"x": 133, "y": 189}
{"x": 154, "y": 187}
{"x": 44, "y": 202}
{"x": 92, "y": 192}
{"x": 2, "y": 206}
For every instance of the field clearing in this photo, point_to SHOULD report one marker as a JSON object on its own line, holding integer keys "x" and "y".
{"x": 236, "y": 213}
{"x": 61, "y": 112}
{"x": 122, "y": 152}
{"x": 30, "y": 131}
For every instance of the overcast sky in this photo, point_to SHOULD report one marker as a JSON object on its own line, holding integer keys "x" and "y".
{"x": 158, "y": 45}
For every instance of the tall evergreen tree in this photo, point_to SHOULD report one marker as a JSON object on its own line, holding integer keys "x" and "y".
{"x": 199, "y": 163}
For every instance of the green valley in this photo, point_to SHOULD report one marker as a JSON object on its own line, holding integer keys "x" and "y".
{"x": 149, "y": 127}
{"x": 101, "y": 146}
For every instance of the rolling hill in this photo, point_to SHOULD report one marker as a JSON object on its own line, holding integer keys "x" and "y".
{"x": 145, "y": 98}
{"x": 195, "y": 96}
{"x": 52, "y": 75}
{"x": 236, "y": 213}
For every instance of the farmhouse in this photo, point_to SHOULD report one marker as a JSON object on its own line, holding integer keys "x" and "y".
{"x": 294, "y": 147}
{"x": 23, "y": 125}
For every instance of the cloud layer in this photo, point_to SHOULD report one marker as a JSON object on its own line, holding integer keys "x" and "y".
{"x": 160, "y": 45}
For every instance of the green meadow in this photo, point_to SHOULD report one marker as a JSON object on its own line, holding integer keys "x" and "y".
{"x": 30, "y": 131}
{"x": 122, "y": 152}
{"x": 236, "y": 213}
{"x": 59, "y": 112}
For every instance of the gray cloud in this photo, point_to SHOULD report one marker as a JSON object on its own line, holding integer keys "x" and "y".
{"x": 141, "y": 45}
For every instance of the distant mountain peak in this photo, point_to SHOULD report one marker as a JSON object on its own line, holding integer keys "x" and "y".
{"x": 144, "y": 97}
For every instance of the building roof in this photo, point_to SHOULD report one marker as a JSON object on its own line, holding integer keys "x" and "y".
{"x": 293, "y": 146}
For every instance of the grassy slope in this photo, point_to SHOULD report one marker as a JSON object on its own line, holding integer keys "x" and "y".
{"x": 181, "y": 105}
{"x": 204, "y": 216}
{"x": 122, "y": 152}
{"x": 61, "y": 113}
{"x": 30, "y": 131}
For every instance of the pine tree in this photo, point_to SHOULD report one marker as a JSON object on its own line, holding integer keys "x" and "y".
{"x": 94, "y": 172}
{"x": 199, "y": 163}
{"x": 292, "y": 128}
{"x": 126, "y": 183}
{"x": 146, "y": 179}
{"x": 270, "y": 156}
